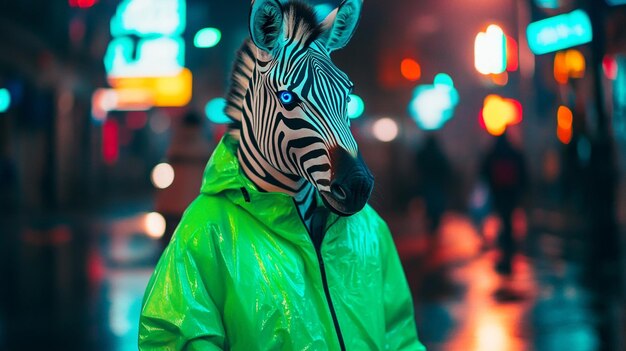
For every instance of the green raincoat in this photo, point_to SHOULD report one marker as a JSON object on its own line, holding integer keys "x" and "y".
{"x": 241, "y": 273}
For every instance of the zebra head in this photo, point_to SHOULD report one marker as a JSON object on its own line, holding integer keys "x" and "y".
{"x": 292, "y": 105}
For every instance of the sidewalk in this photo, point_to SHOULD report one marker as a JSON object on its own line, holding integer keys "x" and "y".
{"x": 459, "y": 300}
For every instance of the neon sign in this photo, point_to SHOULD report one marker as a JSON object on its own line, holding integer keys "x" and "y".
{"x": 160, "y": 49}
{"x": 145, "y": 60}
{"x": 559, "y": 32}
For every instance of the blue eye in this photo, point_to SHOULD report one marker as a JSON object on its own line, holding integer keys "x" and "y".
{"x": 286, "y": 97}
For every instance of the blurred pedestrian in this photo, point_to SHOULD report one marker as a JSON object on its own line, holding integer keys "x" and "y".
{"x": 434, "y": 175}
{"x": 188, "y": 155}
{"x": 504, "y": 170}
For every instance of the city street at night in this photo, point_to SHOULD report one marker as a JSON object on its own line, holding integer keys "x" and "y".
{"x": 221, "y": 175}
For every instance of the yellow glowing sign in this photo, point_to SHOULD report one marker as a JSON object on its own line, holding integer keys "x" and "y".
{"x": 165, "y": 91}
{"x": 145, "y": 59}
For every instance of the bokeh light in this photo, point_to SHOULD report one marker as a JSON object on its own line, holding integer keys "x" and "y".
{"x": 214, "y": 111}
{"x": 610, "y": 67}
{"x": 559, "y": 32}
{"x": 162, "y": 175}
{"x": 83, "y": 4}
{"x": 433, "y": 105}
{"x": 498, "y": 113}
{"x": 356, "y": 106}
{"x": 110, "y": 141}
{"x": 565, "y": 120}
{"x": 490, "y": 51}
{"x": 385, "y": 129}
{"x": 512, "y": 54}
{"x": 207, "y": 38}
{"x": 410, "y": 69}
{"x": 154, "y": 224}
{"x": 443, "y": 79}
{"x": 500, "y": 79}
{"x": 5, "y": 100}
{"x": 569, "y": 64}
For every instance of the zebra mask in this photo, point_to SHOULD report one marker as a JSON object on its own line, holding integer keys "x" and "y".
{"x": 289, "y": 103}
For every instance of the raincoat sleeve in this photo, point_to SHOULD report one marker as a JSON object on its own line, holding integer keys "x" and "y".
{"x": 400, "y": 331}
{"x": 178, "y": 311}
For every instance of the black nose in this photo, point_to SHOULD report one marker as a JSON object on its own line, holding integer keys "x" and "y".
{"x": 353, "y": 191}
{"x": 352, "y": 181}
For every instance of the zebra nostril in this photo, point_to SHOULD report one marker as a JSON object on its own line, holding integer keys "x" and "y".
{"x": 338, "y": 192}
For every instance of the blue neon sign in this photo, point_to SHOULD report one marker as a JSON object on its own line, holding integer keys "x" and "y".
{"x": 559, "y": 32}
{"x": 160, "y": 49}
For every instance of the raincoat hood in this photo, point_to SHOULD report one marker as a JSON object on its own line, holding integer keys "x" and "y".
{"x": 224, "y": 177}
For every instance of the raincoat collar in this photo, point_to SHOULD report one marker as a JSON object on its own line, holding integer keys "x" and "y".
{"x": 277, "y": 211}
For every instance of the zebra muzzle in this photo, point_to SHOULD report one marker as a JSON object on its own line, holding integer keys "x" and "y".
{"x": 351, "y": 185}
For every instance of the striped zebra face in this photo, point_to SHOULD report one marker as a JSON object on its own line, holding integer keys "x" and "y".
{"x": 297, "y": 99}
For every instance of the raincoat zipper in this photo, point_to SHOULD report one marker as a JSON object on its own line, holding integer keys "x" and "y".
{"x": 329, "y": 300}
{"x": 317, "y": 234}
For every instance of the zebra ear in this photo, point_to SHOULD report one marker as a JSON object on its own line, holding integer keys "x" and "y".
{"x": 266, "y": 24}
{"x": 340, "y": 24}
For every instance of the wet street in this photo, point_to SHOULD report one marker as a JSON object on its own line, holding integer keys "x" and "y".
{"x": 80, "y": 284}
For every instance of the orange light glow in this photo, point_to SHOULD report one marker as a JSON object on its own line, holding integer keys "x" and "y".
{"x": 172, "y": 91}
{"x": 498, "y": 113}
{"x": 568, "y": 64}
{"x": 500, "y": 79}
{"x": 410, "y": 69}
{"x": 560, "y": 68}
{"x": 575, "y": 63}
{"x": 564, "y": 135}
{"x": 105, "y": 100}
{"x": 565, "y": 119}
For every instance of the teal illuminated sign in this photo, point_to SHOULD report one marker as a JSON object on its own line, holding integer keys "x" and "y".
{"x": 559, "y": 32}
{"x": 149, "y": 17}
{"x": 160, "y": 49}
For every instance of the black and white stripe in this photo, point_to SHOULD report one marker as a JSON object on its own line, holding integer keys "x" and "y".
{"x": 287, "y": 148}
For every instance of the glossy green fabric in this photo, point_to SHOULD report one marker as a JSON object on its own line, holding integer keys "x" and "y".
{"x": 245, "y": 276}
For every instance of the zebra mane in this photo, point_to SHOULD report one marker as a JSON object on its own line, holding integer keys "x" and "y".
{"x": 300, "y": 24}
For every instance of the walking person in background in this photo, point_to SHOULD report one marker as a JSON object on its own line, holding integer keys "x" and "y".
{"x": 434, "y": 175}
{"x": 504, "y": 170}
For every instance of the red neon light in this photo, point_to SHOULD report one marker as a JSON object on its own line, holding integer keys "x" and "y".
{"x": 110, "y": 141}
{"x": 83, "y": 4}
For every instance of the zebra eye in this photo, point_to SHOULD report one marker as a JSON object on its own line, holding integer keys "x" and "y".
{"x": 286, "y": 97}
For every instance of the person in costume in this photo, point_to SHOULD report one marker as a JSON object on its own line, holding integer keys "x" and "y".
{"x": 280, "y": 251}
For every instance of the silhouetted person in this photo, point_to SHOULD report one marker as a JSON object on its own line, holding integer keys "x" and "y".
{"x": 504, "y": 169}
{"x": 433, "y": 181}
